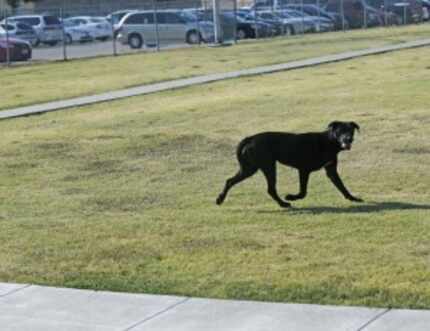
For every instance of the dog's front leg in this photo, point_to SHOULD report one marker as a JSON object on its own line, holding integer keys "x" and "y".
{"x": 332, "y": 173}
{"x": 304, "y": 178}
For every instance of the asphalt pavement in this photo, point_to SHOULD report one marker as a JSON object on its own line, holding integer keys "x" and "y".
{"x": 26, "y": 307}
{"x": 92, "y": 49}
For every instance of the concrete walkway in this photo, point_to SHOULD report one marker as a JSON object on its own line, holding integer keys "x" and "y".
{"x": 179, "y": 83}
{"x": 37, "y": 308}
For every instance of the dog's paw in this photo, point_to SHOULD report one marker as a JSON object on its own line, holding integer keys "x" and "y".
{"x": 285, "y": 204}
{"x": 355, "y": 199}
{"x": 290, "y": 197}
{"x": 220, "y": 200}
{"x": 293, "y": 197}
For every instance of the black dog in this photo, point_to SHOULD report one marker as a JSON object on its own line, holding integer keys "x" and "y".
{"x": 306, "y": 152}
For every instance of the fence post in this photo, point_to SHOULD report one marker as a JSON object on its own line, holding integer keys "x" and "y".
{"x": 342, "y": 10}
{"x": 63, "y": 34}
{"x": 114, "y": 49}
{"x": 198, "y": 25}
{"x": 157, "y": 32}
{"x": 7, "y": 43}
{"x": 217, "y": 23}
{"x": 235, "y": 21}
{"x": 364, "y": 17}
{"x": 255, "y": 20}
{"x": 303, "y": 16}
{"x": 319, "y": 15}
{"x": 385, "y": 13}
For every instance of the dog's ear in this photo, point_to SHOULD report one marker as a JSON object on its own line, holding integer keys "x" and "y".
{"x": 332, "y": 133}
{"x": 355, "y": 126}
{"x": 333, "y": 125}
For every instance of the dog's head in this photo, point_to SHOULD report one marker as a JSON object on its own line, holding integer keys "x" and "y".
{"x": 343, "y": 133}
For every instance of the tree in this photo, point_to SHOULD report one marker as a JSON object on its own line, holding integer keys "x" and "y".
{"x": 15, "y": 3}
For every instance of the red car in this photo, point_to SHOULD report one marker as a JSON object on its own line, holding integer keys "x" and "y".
{"x": 19, "y": 50}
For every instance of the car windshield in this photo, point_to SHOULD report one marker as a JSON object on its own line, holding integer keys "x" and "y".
{"x": 283, "y": 15}
{"x": 268, "y": 16}
{"x": 68, "y": 23}
{"x": 23, "y": 26}
{"x": 51, "y": 20}
{"x": 116, "y": 18}
{"x": 8, "y": 27}
{"x": 97, "y": 20}
{"x": 295, "y": 14}
{"x": 33, "y": 21}
{"x": 188, "y": 16}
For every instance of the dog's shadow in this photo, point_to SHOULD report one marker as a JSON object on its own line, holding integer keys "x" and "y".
{"x": 371, "y": 207}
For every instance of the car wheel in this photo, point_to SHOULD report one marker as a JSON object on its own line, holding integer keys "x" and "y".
{"x": 288, "y": 31}
{"x": 36, "y": 42}
{"x": 193, "y": 37}
{"x": 241, "y": 34}
{"x": 135, "y": 41}
{"x": 69, "y": 39}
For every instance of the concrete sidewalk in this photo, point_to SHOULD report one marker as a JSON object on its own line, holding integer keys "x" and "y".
{"x": 180, "y": 83}
{"x": 37, "y": 308}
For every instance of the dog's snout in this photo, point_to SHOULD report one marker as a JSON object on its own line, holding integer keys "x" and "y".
{"x": 346, "y": 139}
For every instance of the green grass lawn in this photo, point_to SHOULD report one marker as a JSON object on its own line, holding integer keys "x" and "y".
{"x": 121, "y": 196}
{"x": 39, "y": 83}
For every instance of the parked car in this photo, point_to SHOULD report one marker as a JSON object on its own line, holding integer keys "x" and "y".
{"x": 205, "y": 16}
{"x": 19, "y": 30}
{"x": 288, "y": 25}
{"x": 260, "y": 27}
{"x": 48, "y": 28}
{"x": 137, "y": 29}
{"x": 98, "y": 27}
{"x": 278, "y": 26}
{"x": 354, "y": 11}
{"x": 414, "y": 10}
{"x": 245, "y": 29}
{"x": 117, "y": 16}
{"x": 19, "y": 50}
{"x": 307, "y": 24}
{"x": 74, "y": 32}
{"x": 314, "y": 10}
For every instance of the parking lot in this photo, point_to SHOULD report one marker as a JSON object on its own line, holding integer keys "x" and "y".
{"x": 63, "y": 33}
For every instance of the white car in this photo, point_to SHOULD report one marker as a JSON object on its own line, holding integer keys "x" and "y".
{"x": 75, "y": 32}
{"x": 98, "y": 27}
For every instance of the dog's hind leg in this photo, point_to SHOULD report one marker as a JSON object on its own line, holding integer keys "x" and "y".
{"x": 304, "y": 178}
{"x": 269, "y": 172}
{"x": 244, "y": 173}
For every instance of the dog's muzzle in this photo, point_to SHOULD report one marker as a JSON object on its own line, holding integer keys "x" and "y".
{"x": 346, "y": 146}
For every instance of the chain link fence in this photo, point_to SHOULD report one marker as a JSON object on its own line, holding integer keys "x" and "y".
{"x": 69, "y": 30}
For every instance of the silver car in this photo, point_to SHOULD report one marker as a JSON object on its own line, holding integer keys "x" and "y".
{"x": 48, "y": 28}
{"x": 141, "y": 28}
{"x": 19, "y": 30}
